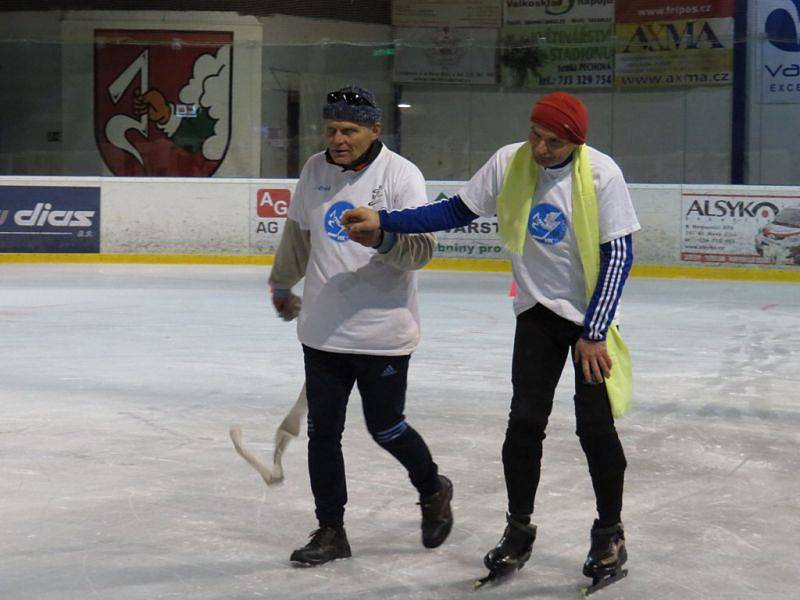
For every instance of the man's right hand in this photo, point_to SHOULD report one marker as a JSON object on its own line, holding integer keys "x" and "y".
{"x": 287, "y": 307}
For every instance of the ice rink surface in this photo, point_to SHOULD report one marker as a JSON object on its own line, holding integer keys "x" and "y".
{"x": 118, "y": 479}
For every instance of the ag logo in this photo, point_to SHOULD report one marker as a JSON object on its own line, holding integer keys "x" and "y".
{"x": 333, "y": 221}
{"x": 273, "y": 203}
{"x": 547, "y": 224}
{"x": 162, "y": 101}
{"x": 781, "y": 28}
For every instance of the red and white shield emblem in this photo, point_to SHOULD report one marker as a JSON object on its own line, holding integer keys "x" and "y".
{"x": 162, "y": 101}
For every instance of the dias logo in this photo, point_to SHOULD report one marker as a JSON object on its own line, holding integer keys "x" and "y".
{"x": 273, "y": 203}
{"x": 43, "y": 214}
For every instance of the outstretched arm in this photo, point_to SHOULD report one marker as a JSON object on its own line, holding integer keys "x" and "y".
{"x": 446, "y": 214}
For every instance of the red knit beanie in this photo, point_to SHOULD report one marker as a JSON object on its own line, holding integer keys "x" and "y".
{"x": 563, "y": 114}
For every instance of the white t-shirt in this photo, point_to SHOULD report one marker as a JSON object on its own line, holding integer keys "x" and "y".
{"x": 549, "y": 271}
{"x": 351, "y": 302}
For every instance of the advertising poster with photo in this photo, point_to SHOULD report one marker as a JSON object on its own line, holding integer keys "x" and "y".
{"x": 445, "y": 55}
{"x": 674, "y": 43}
{"x": 559, "y": 43}
{"x": 269, "y": 208}
{"x": 446, "y": 13}
{"x": 779, "y": 31}
{"x": 726, "y": 227}
{"x": 479, "y": 239}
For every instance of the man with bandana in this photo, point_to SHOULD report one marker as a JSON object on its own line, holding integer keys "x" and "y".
{"x": 566, "y": 218}
{"x": 359, "y": 321}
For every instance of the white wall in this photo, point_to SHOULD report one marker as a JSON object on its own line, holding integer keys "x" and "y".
{"x": 30, "y": 100}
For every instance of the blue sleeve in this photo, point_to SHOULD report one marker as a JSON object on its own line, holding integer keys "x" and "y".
{"x": 616, "y": 258}
{"x": 446, "y": 214}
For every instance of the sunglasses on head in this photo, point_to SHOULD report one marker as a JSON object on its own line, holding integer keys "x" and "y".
{"x": 350, "y": 98}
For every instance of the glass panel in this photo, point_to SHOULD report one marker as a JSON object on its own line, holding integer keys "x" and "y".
{"x": 123, "y": 93}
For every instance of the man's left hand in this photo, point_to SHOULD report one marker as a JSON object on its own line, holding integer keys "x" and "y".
{"x": 594, "y": 360}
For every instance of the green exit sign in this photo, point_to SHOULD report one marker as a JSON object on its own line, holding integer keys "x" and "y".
{"x": 383, "y": 52}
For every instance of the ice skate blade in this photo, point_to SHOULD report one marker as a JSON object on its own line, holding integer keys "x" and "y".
{"x": 494, "y": 578}
{"x": 598, "y": 583}
{"x": 301, "y": 564}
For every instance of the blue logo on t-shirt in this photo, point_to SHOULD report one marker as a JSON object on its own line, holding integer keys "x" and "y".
{"x": 547, "y": 224}
{"x": 333, "y": 221}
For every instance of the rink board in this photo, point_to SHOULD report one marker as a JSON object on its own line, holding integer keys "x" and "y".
{"x": 687, "y": 231}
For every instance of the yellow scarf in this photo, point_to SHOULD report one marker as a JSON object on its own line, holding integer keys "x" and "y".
{"x": 513, "y": 211}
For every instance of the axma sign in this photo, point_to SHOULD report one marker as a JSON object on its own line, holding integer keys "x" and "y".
{"x": 49, "y": 219}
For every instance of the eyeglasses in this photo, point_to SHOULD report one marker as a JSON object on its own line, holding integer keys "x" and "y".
{"x": 351, "y": 98}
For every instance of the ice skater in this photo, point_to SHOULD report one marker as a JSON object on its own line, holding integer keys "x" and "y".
{"x": 566, "y": 218}
{"x": 359, "y": 323}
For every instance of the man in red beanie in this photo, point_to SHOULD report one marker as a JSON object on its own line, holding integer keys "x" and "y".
{"x": 553, "y": 233}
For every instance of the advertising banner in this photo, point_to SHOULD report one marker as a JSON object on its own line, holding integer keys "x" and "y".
{"x": 745, "y": 228}
{"x": 479, "y": 239}
{"x": 445, "y": 55}
{"x": 49, "y": 219}
{"x": 560, "y": 43}
{"x": 779, "y": 30}
{"x": 674, "y": 43}
{"x": 269, "y": 207}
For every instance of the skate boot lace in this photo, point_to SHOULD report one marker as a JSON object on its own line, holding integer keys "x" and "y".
{"x": 322, "y": 536}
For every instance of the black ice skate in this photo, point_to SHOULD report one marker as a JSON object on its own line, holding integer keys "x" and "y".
{"x": 510, "y": 554}
{"x": 327, "y": 543}
{"x": 606, "y": 557}
{"x": 437, "y": 517}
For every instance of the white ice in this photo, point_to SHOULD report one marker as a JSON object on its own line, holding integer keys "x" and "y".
{"x": 118, "y": 479}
